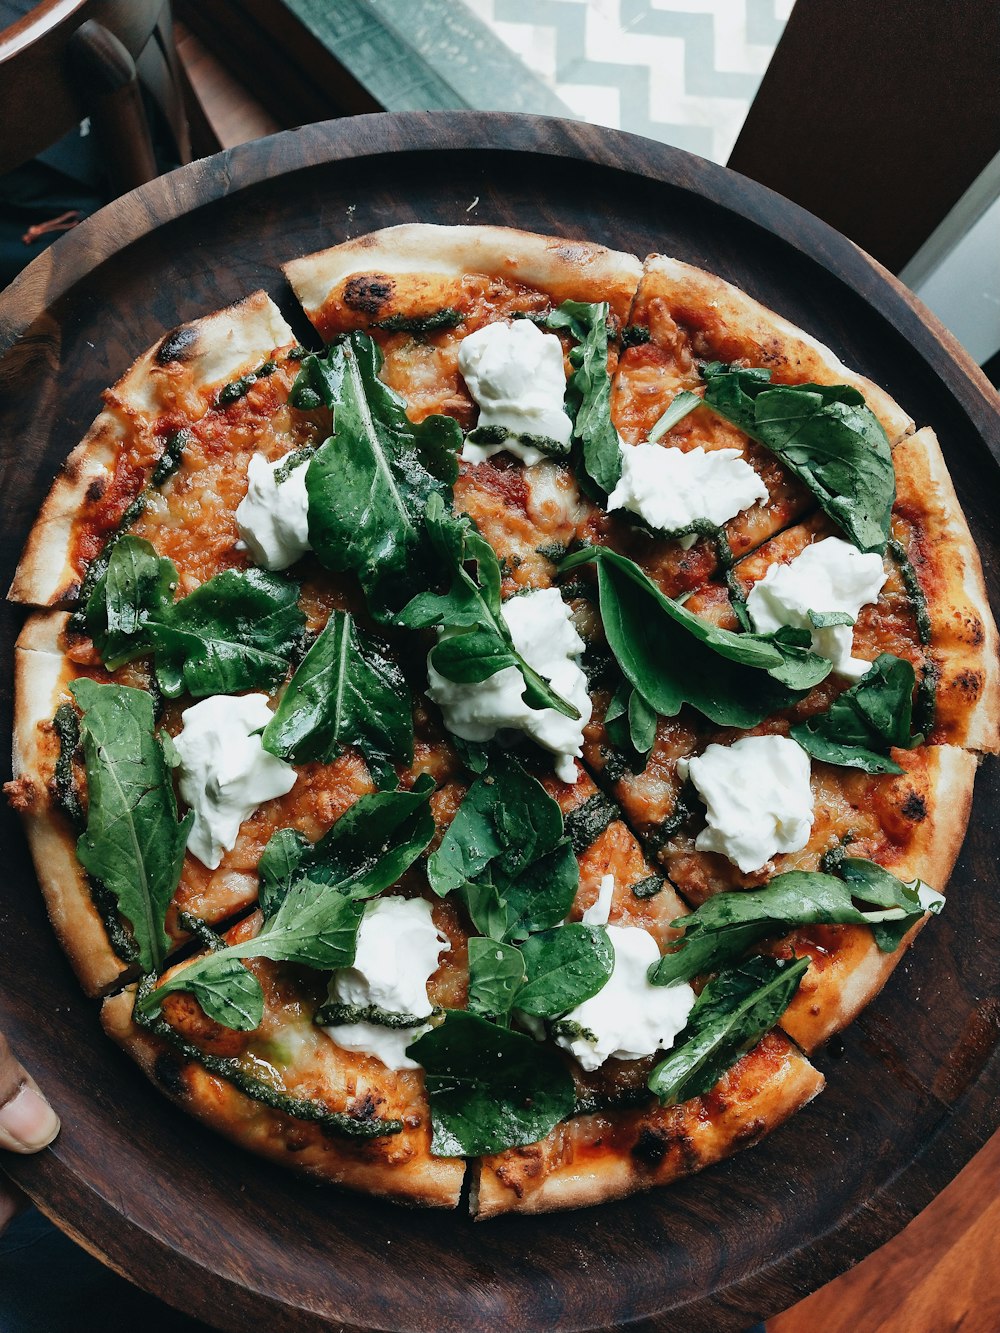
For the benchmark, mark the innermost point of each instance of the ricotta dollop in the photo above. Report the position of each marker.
(515, 374)
(599, 912)
(541, 627)
(671, 488)
(829, 575)
(224, 771)
(628, 1018)
(398, 951)
(757, 797)
(273, 516)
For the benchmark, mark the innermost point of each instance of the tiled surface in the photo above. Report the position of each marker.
(683, 71)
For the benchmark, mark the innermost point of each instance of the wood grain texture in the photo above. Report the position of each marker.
(936, 1276)
(237, 1242)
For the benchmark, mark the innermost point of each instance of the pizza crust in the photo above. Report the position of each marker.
(204, 353)
(39, 686)
(440, 257)
(593, 1159)
(415, 1178)
(964, 641)
(849, 969)
(760, 335)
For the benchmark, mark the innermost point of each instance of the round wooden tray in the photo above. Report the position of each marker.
(912, 1086)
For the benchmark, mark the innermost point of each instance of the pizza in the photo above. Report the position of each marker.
(504, 740)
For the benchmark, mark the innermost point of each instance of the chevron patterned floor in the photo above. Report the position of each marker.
(683, 71)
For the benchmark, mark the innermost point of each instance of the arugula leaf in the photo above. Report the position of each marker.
(588, 390)
(672, 657)
(563, 967)
(489, 1088)
(344, 692)
(315, 926)
(476, 642)
(236, 631)
(630, 721)
(683, 403)
(730, 1016)
(496, 972)
(726, 926)
(369, 847)
(133, 843)
(825, 434)
(370, 483)
(506, 855)
(866, 721)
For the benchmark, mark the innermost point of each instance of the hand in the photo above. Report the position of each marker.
(27, 1122)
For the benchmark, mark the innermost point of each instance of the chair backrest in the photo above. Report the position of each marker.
(877, 115)
(52, 74)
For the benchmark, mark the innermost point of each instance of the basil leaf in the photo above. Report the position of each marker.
(866, 721)
(496, 972)
(344, 692)
(873, 884)
(683, 403)
(314, 926)
(729, 1017)
(588, 390)
(489, 1088)
(371, 845)
(825, 434)
(236, 631)
(672, 657)
(563, 967)
(631, 724)
(370, 483)
(476, 643)
(506, 856)
(133, 843)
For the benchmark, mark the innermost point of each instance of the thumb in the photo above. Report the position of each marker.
(27, 1121)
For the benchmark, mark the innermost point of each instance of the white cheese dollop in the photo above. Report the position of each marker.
(273, 516)
(829, 575)
(224, 771)
(671, 488)
(541, 627)
(628, 1017)
(515, 373)
(398, 951)
(599, 911)
(757, 797)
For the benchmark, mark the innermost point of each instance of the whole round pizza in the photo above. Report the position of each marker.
(509, 738)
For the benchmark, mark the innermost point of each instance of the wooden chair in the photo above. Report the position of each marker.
(66, 60)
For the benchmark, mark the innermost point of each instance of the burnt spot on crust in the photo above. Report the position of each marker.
(750, 1132)
(368, 292)
(96, 489)
(651, 1146)
(365, 1109)
(22, 794)
(914, 808)
(169, 1073)
(177, 345)
(969, 683)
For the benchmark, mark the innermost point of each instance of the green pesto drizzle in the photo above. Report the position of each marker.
(648, 887)
(340, 1123)
(587, 822)
(447, 318)
(170, 459)
(665, 830)
(571, 1030)
(293, 460)
(333, 1014)
(201, 931)
(634, 335)
(590, 1103)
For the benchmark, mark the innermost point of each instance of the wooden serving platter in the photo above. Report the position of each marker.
(912, 1085)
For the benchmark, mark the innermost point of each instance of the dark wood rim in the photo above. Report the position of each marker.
(975, 1114)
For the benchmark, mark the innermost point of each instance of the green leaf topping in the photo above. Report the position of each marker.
(315, 925)
(866, 721)
(729, 1017)
(682, 403)
(672, 657)
(476, 642)
(726, 926)
(489, 1088)
(506, 856)
(235, 632)
(346, 691)
(588, 390)
(825, 434)
(370, 483)
(496, 973)
(563, 967)
(133, 843)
